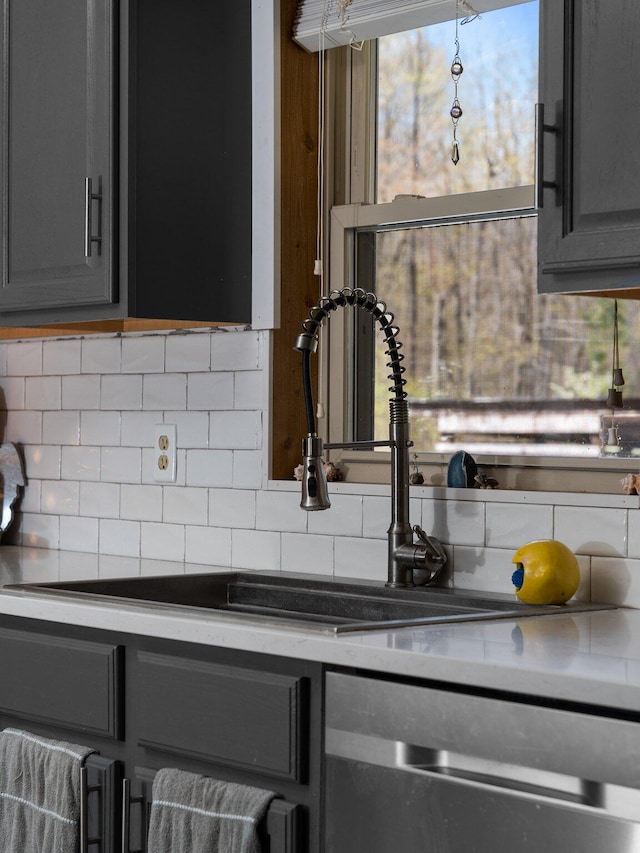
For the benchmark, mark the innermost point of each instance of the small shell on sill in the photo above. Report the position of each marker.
(631, 484)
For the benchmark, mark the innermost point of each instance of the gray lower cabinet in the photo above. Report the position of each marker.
(126, 171)
(144, 704)
(589, 224)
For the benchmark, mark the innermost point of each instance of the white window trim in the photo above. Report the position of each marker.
(552, 474)
(538, 474)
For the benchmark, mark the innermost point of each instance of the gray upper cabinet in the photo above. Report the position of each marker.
(126, 171)
(589, 225)
(57, 110)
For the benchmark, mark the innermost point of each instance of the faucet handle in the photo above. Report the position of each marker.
(433, 557)
(435, 551)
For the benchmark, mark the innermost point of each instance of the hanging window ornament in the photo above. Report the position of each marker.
(456, 71)
(456, 110)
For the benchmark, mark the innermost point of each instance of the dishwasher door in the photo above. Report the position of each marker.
(412, 769)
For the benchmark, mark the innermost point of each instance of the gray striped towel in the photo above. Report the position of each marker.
(39, 793)
(196, 814)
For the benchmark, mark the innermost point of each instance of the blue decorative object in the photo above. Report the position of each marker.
(461, 471)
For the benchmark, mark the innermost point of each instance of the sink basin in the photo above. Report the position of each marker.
(310, 601)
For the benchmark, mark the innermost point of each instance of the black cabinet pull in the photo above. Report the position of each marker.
(89, 198)
(539, 182)
(127, 799)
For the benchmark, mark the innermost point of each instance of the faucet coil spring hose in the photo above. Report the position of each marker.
(307, 342)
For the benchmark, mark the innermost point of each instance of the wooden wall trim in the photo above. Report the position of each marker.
(299, 140)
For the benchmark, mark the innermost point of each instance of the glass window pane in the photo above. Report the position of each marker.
(491, 365)
(497, 91)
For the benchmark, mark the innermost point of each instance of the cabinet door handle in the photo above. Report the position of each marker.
(539, 182)
(89, 198)
(84, 793)
(127, 799)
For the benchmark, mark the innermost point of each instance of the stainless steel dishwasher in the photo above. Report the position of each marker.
(412, 769)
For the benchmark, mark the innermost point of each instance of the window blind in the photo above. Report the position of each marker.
(360, 20)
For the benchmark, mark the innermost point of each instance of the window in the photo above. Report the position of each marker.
(491, 366)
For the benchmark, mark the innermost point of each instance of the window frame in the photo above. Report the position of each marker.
(350, 192)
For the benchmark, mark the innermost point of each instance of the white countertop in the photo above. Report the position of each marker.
(583, 657)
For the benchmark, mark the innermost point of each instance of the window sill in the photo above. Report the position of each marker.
(511, 496)
(596, 483)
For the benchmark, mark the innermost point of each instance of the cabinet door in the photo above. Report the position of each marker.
(280, 831)
(56, 103)
(589, 229)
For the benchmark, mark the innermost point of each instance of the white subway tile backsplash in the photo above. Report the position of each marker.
(232, 508)
(121, 392)
(303, 552)
(80, 463)
(81, 392)
(121, 464)
(249, 390)
(40, 531)
(99, 500)
(143, 354)
(24, 427)
(61, 357)
(142, 503)
(192, 428)
(137, 428)
(121, 538)
(209, 468)
(101, 355)
(208, 391)
(360, 558)
(280, 511)
(13, 393)
(512, 525)
(615, 581)
(235, 430)
(162, 541)
(247, 469)
(454, 521)
(60, 497)
(589, 530)
(43, 392)
(377, 515)
(78, 534)
(165, 392)
(24, 358)
(343, 519)
(634, 533)
(186, 505)
(100, 496)
(30, 500)
(208, 545)
(235, 351)
(256, 549)
(100, 428)
(61, 427)
(42, 462)
(188, 352)
(485, 569)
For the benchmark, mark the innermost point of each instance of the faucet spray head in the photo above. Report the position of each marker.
(314, 482)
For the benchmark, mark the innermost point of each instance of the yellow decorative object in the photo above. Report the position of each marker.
(547, 573)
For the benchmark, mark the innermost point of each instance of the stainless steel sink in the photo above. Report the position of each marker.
(302, 601)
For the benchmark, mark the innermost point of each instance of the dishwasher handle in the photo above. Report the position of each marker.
(483, 772)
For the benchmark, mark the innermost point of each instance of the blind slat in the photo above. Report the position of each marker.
(369, 19)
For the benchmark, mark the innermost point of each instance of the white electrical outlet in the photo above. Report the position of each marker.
(164, 453)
